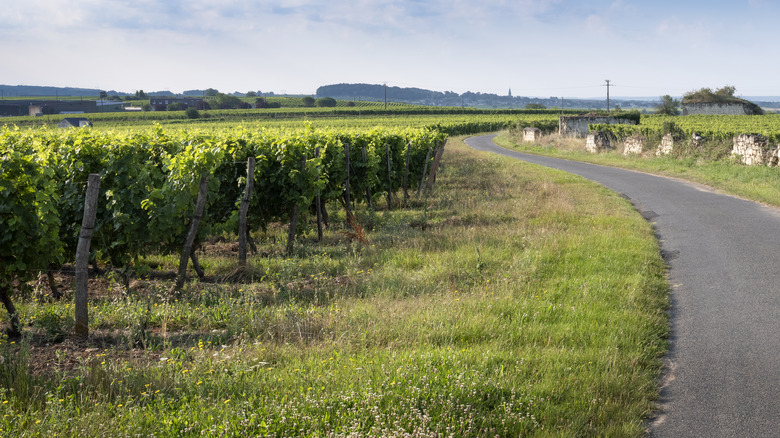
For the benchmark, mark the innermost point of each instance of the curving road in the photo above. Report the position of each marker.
(723, 367)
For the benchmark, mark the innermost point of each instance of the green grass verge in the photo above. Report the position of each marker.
(512, 301)
(758, 183)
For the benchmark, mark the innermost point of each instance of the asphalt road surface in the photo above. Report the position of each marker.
(723, 367)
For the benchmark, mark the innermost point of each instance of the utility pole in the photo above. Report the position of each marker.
(608, 85)
(560, 119)
(385, 96)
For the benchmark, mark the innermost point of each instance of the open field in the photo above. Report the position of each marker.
(366, 114)
(510, 301)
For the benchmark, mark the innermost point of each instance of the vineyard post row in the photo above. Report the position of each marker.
(150, 182)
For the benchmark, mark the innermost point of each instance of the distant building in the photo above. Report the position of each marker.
(161, 103)
(111, 106)
(9, 108)
(74, 122)
(43, 107)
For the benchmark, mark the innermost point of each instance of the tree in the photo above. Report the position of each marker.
(535, 106)
(211, 92)
(103, 95)
(326, 102)
(139, 94)
(308, 101)
(260, 102)
(668, 106)
(726, 91)
(251, 94)
(192, 113)
(225, 101)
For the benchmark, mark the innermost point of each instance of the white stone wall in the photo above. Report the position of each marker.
(597, 141)
(752, 149)
(774, 157)
(634, 145)
(532, 134)
(578, 125)
(667, 145)
(729, 109)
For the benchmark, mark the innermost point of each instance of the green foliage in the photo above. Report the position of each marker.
(176, 106)
(308, 101)
(327, 102)
(722, 95)
(192, 113)
(669, 106)
(150, 180)
(535, 106)
(633, 115)
(712, 127)
(225, 101)
(29, 221)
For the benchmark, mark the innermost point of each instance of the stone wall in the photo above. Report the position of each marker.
(752, 149)
(667, 145)
(532, 134)
(774, 158)
(597, 141)
(578, 125)
(729, 109)
(634, 145)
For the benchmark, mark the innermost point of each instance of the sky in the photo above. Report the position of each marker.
(538, 48)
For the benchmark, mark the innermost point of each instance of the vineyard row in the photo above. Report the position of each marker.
(149, 183)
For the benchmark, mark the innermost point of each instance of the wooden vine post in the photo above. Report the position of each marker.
(318, 201)
(406, 173)
(368, 189)
(82, 255)
(425, 170)
(435, 167)
(292, 229)
(244, 210)
(200, 206)
(347, 200)
(389, 179)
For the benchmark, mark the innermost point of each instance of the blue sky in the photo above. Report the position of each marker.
(535, 47)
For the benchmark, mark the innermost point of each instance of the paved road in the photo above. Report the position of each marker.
(723, 368)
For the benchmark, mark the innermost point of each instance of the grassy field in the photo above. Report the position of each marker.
(513, 300)
(758, 183)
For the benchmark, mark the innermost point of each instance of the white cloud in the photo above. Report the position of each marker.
(692, 32)
(596, 25)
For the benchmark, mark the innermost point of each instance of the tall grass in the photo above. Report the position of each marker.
(512, 301)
